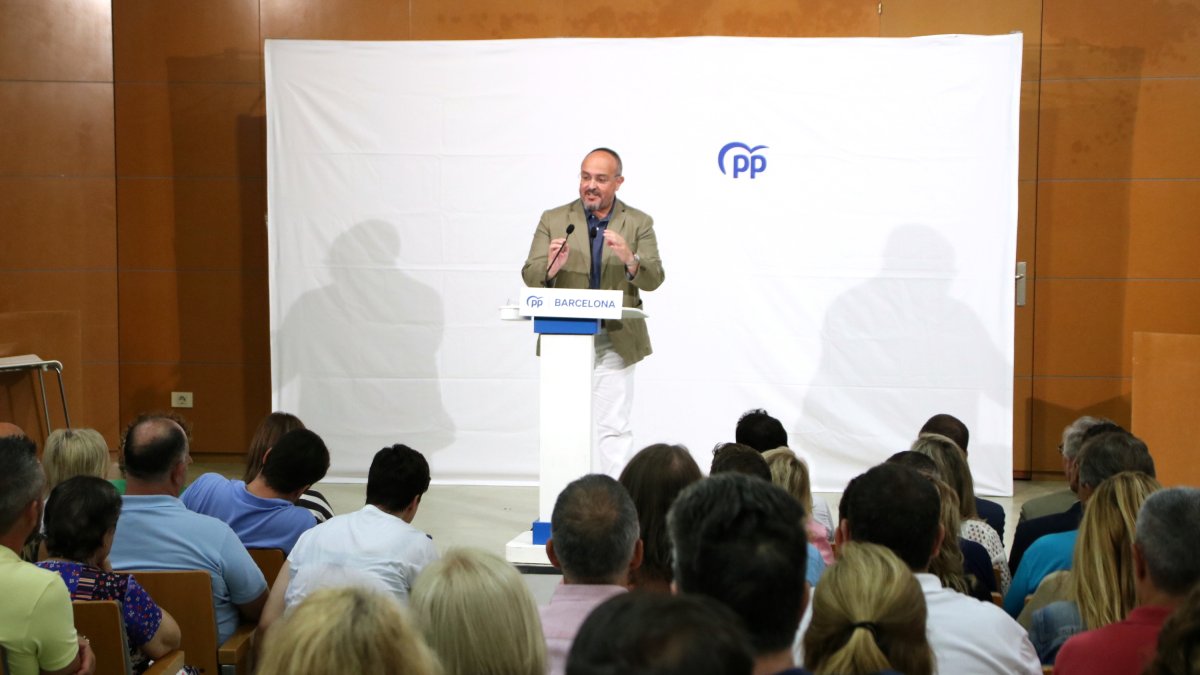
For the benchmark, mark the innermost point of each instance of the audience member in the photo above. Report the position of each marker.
(594, 541)
(268, 432)
(739, 458)
(10, 429)
(1166, 567)
(377, 541)
(922, 464)
(954, 429)
(757, 429)
(655, 634)
(653, 478)
(1102, 457)
(81, 519)
(736, 458)
(742, 542)
(868, 615)
(37, 628)
(263, 512)
(952, 465)
(157, 532)
(1032, 530)
(949, 563)
(1099, 587)
(1179, 640)
(896, 507)
(791, 473)
(478, 615)
(1068, 449)
(74, 452)
(336, 631)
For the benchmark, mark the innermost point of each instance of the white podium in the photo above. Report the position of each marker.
(566, 321)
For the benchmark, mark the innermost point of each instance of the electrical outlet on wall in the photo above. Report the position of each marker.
(181, 399)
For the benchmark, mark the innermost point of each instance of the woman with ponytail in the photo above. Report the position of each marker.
(868, 617)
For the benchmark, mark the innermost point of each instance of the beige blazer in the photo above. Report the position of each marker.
(629, 337)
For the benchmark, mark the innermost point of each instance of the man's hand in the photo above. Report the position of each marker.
(619, 248)
(555, 246)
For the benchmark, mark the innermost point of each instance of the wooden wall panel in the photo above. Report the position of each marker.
(765, 18)
(336, 19)
(1085, 327)
(90, 293)
(193, 224)
(187, 41)
(56, 128)
(485, 20)
(63, 40)
(58, 223)
(192, 129)
(1107, 129)
(1118, 38)
(198, 317)
(1115, 229)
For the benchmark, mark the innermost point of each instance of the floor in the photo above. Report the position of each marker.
(489, 516)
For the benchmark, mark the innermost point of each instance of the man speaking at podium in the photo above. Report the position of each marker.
(619, 253)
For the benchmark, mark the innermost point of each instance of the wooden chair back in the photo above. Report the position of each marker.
(187, 596)
(101, 622)
(269, 561)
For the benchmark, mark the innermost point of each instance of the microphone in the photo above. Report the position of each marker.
(570, 229)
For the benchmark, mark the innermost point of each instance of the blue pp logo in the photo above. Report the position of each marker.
(534, 301)
(743, 162)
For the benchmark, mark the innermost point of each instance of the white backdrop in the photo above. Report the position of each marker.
(860, 282)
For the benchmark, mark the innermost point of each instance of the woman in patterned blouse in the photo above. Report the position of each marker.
(80, 520)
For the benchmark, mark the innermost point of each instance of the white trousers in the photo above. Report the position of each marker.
(612, 403)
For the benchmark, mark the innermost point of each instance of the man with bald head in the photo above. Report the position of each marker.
(157, 532)
(619, 252)
(10, 429)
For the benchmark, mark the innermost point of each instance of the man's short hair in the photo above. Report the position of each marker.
(151, 446)
(760, 431)
(594, 528)
(949, 426)
(21, 479)
(1072, 437)
(610, 151)
(742, 541)
(894, 506)
(739, 458)
(298, 459)
(1165, 533)
(1108, 454)
(661, 634)
(397, 476)
(922, 464)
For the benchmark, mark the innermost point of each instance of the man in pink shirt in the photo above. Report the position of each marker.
(1166, 565)
(594, 541)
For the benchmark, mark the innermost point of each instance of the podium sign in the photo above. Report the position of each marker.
(571, 303)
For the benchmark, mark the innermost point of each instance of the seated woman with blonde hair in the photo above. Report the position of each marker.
(479, 616)
(791, 473)
(74, 452)
(868, 616)
(351, 629)
(1099, 588)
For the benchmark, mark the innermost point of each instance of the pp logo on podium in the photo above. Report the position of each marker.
(534, 301)
(743, 162)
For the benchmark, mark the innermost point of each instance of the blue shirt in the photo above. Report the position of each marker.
(816, 566)
(156, 532)
(258, 521)
(1050, 553)
(596, 227)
